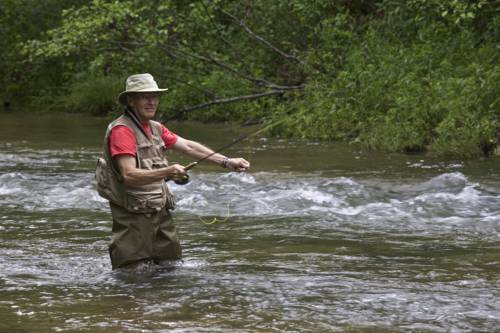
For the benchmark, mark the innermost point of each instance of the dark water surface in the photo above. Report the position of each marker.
(316, 238)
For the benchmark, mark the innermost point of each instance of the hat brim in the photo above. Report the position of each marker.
(122, 98)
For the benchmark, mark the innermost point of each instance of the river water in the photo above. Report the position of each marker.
(316, 238)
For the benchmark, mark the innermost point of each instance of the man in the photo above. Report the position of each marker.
(132, 173)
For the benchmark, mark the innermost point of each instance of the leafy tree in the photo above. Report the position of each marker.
(22, 20)
(395, 75)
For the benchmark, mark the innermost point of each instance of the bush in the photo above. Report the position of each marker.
(414, 76)
(89, 94)
(439, 93)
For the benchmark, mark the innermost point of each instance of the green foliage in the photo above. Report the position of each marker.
(22, 20)
(470, 127)
(465, 135)
(417, 75)
(95, 95)
(438, 92)
(103, 34)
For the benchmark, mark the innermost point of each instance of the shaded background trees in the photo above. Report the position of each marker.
(395, 75)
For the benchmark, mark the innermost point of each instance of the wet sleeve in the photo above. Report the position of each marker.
(169, 138)
(122, 141)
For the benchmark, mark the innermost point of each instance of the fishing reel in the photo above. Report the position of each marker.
(183, 181)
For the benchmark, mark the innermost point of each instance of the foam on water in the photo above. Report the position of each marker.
(264, 193)
(50, 191)
(18, 157)
(446, 195)
(351, 246)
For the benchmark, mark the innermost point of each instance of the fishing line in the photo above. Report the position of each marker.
(215, 219)
(191, 165)
(129, 112)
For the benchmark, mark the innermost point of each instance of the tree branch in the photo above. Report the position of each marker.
(258, 82)
(224, 101)
(259, 38)
(219, 32)
(206, 92)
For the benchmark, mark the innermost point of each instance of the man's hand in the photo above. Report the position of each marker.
(238, 164)
(175, 172)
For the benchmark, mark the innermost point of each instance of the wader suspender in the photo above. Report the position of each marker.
(130, 113)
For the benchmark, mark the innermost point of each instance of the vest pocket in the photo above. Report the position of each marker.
(105, 181)
(170, 198)
(145, 202)
(153, 163)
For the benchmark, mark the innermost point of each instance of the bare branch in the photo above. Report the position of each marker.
(258, 82)
(206, 92)
(260, 38)
(224, 101)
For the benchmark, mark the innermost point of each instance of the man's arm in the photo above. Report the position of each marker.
(133, 176)
(198, 151)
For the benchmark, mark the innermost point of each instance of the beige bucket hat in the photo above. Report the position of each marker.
(139, 83)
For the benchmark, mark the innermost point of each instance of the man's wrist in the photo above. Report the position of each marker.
(225, 161)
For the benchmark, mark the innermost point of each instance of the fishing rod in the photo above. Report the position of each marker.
(185, 179)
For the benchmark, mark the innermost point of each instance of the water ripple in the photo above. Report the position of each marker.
(297, 253)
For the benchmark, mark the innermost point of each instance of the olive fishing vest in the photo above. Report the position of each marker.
(150, 154)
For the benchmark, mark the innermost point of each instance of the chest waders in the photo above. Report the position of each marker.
(143, 228)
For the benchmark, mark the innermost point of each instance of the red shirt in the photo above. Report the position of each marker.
(122, 139)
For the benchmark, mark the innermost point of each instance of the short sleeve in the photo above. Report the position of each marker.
(122, 141)
(169, 138)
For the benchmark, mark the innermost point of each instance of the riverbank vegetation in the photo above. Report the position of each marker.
(412, 76)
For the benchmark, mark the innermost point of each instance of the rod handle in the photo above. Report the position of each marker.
(184, 180)
(190, 166)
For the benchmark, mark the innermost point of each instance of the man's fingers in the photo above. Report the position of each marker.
(176, 172)
(239, 164)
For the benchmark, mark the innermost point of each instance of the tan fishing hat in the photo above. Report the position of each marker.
(139, 83)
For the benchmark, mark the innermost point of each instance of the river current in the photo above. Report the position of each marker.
(316, 238)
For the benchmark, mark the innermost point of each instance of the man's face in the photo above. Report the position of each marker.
(144, 104)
